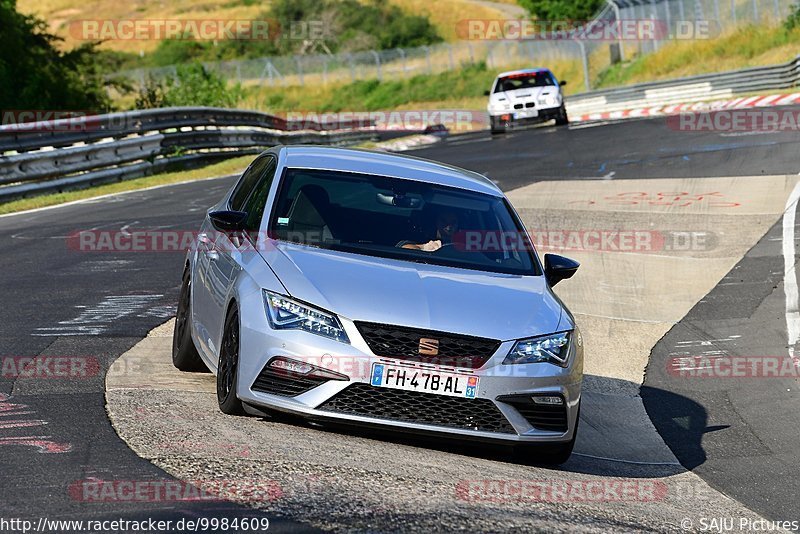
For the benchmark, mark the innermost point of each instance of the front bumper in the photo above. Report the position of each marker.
(524, 116)
(354, 401)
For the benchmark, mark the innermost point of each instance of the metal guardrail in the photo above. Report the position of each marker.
(80, 152)
(702, 87)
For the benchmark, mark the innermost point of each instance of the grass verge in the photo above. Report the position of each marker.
(222, 168)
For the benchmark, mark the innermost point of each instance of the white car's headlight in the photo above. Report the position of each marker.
(542, 349)
(288, 314)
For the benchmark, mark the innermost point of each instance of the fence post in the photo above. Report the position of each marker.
(299, 69)
(777, 7)
(617, 17)
(450, 55)
(403, 56)
(668, 18)
(681, 12)
(471, 57)
(428, 58)
(733, 12)
(325, 70)
(716, 13)
(352, 67)
(377, 65)
(585, 59)
(755, 11)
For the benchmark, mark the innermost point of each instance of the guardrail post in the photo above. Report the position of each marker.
(618, 18)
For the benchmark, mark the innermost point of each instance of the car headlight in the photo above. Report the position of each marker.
(542, 349)
(288, 314)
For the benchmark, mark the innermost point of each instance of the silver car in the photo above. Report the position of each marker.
(372, 289)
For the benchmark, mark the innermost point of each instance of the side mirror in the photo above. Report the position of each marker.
(486, 93)
(228, 221)
(562, 82)
(557, 268)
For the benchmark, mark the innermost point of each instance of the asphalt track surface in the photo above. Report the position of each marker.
(50, 293)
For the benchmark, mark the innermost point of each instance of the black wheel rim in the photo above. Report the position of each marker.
(228, 358)
(183, 312)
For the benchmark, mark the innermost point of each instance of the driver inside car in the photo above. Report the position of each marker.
(446, 228)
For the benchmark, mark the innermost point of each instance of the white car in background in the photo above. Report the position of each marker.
(525, 96)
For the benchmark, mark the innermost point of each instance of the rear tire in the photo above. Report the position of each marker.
(184, 354)
(228, 367)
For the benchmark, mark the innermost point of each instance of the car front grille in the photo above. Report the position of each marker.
(423, 408)
(285, 383)
(403, 343)
(540, 416)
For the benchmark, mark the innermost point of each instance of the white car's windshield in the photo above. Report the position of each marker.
(401, 219)
(524, 81)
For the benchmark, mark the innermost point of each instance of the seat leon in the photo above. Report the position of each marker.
(372, 289)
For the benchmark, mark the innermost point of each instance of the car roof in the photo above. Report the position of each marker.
(522, 71)
(387, 164)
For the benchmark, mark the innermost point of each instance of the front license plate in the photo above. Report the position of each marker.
(527, 114)
(425, 381)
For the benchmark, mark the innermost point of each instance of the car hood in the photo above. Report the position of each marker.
(380, 290)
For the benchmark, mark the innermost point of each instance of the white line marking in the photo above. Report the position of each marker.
(789, 273)
(110, 195)
(678, 464)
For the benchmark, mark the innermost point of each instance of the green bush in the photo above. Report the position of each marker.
(559, 10)
(193, 85)
(793, 20)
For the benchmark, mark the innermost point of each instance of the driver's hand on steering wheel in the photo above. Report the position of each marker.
(431, 246)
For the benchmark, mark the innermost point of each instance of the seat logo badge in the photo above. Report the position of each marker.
(428, 346)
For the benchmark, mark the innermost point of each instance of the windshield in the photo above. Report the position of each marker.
(400, 219)
(524, 81)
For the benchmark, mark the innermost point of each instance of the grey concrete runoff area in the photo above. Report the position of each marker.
(691, 246)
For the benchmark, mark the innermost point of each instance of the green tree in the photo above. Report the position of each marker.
(559, 10)
(34, 74)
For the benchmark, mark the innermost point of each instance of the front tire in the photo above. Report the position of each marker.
(228, 367)
(551, 454)
(184, 354)
(562, 119)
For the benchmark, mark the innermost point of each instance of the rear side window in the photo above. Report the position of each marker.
(248, 182)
